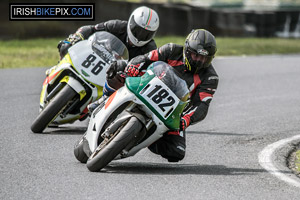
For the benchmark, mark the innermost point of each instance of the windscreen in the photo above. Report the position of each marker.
(168, 75)
(109, 47)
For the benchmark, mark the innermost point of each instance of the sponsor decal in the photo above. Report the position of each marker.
(181, 148)
(102, 52)
(202, 52)
(213, 78)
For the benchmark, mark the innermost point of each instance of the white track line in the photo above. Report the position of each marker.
(265, 160)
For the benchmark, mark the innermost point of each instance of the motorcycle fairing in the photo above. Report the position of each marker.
(137, 84)
(54, 73)
(88, 64)
(98, 120)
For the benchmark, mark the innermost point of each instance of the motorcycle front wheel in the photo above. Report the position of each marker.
(79, 153)
(110, 148)
(47, 115)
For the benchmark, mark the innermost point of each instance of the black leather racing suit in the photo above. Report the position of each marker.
(202, 87)
(117, 28)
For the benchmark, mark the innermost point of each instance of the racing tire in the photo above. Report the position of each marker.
(100, 158)
(47, 115)
(79, 153)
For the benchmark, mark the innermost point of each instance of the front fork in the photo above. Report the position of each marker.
(57, 88)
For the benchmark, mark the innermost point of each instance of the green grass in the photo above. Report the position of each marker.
(257, 46)
(28, 53)
(297, 161)
(43, 52)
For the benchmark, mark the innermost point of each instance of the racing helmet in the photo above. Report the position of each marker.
(199, 50)
(142, 26)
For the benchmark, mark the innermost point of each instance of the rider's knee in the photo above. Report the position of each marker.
(171, 147)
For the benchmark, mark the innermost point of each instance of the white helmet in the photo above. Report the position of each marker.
(142, 26)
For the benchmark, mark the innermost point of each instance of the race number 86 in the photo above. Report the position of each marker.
(90, 61)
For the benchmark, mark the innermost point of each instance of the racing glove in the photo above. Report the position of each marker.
(114, 68)
(134, 70)
(64, 45)
(74, 38)
(184, 122)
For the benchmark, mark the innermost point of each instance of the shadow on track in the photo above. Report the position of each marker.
(177, 169)
(216, 133)
(65, 130)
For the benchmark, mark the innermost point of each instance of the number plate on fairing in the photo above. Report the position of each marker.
(90, 66)
(160, 96)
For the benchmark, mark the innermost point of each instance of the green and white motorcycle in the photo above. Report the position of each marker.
(133, 117)
(77, 80)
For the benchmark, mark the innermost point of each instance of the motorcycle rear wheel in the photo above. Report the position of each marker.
(101, 157)
(47, 115)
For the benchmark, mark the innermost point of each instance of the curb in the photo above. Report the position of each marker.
(274, 159)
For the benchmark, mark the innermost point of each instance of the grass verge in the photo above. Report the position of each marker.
(43, 52)
(297, 161)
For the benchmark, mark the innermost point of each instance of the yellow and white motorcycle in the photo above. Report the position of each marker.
(77, 80)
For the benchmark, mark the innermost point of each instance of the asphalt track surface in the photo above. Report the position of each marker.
(256, 105)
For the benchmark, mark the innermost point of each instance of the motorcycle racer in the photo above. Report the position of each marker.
(137, 33)
(193, 62)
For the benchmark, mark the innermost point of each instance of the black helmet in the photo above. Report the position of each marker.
(199, 50)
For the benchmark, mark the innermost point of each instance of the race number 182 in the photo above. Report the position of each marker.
(158, 94)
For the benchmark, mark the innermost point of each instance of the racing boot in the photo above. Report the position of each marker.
(171, 146)
(91, 107)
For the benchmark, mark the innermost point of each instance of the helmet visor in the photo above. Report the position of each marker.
(197, 60)
(200, 55)
(140, 33)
